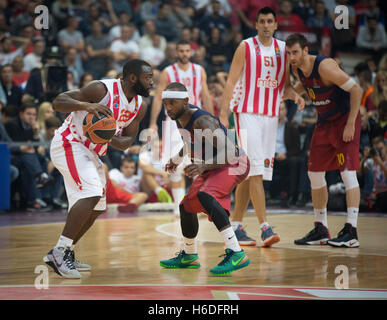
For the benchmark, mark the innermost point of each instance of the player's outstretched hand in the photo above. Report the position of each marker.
(97, 108)
(300, 102)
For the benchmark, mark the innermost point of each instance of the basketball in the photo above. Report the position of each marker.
(99, 131)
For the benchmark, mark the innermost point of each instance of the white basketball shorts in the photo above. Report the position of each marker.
(82, 170)
(257, 135)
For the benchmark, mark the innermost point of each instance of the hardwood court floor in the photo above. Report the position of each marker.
(124, 254)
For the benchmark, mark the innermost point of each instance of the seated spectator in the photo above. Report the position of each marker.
(61, 10)
(370, 129)
(123, 186)
(372, 37)
(74, 65)
(216, 53)
(374, 169)
(365, 82)
(286, 19)
(123, 20)
(156, 181)
(199, 57)
(373, 9)
(287, 161)
(24, 128)
(20, 77)
(34, 59)
(186, 35)
(149, 10)
(45, 111)
(379, 92)
(146, 39)
(85, 26)
(120, 6)
(170, 56)
(383, 117)
(7, 54)
(321, 17)
(215, 20)
(85, 79)
(154, 55)
(124, 49)
(97, 49)
(165, 23)
(304, 9)
(12, 93)
(70, 37)
(8, 112)
(180, 14)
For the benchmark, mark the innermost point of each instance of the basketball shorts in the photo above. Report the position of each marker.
(219, 183)
(116, 195)
(328, 151)
(257, 135)
(82, 170)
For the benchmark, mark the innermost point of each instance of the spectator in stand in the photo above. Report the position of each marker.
(170, 56)
(321, 17)
(216, 53)
(154, 55)
(304, 9)
(383, 117)
(149, 32)
(179, 14)
(379, 92)
(45, 111)
(20, 77)
(107, 13)
(383, 63)
(61, 10)
(365, 82)
(372, 37)
(124, 19)
(70, 37)
(199, 57)
(120, 6)
(370, 129)
(80, 9)
(98, 51)
(4, 25)
(13, 94)
(6, 53)
(165, 23)
(24, 128)
(34, 59)
(287, 20)
(124, 49)
(8, 112)
(85, 79)
(374, 10)
(85, 26)
(215, 20)
(247, 11)
(149, 10)
(74, 65)
(186, 35)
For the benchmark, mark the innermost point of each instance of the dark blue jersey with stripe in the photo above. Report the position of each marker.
(331, 102)
(199, 145)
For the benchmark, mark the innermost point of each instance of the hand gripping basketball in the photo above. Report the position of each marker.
(96, 108)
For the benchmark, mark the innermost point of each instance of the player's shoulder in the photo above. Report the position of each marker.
(327, 64)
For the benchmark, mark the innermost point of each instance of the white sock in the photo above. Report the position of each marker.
(230, 239)
(190, 246)
(320, 215)
(64, 242)
(235, 224)
(264, 224)
(352, 216)
(178, 194)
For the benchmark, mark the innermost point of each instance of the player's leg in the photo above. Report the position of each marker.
(177, 188)
(347, 237)
(320, 234)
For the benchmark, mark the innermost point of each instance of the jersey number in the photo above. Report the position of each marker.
(269, 61)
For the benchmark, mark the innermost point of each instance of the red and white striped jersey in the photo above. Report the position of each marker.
(259, 88)
(123, 111)
(191, 78)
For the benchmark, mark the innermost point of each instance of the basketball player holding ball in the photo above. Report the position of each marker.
(77, 157)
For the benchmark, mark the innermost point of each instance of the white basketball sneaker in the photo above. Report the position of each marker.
(60, 259)
(80, 266)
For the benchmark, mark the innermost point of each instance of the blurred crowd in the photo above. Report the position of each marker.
(92, 39)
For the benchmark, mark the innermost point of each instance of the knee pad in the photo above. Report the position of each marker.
(350, 179)
(216, 212)
(317, 179)
(189, 223)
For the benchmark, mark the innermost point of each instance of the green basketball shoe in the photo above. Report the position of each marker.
(182, 260)
(164, 196)
(232, 261)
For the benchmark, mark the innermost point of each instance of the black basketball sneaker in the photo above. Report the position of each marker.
(347, 238)
(318, 236)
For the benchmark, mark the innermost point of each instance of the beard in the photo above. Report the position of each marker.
(140, 89)
(183, 60)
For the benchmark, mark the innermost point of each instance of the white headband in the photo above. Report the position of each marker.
(174, 94)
